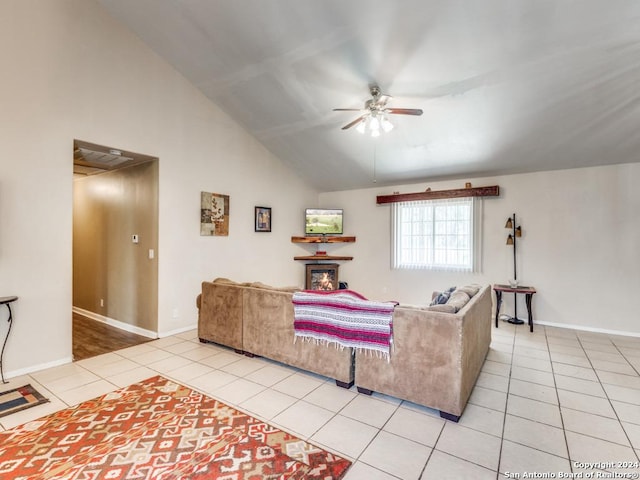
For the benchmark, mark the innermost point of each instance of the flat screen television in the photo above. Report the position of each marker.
(323, 221)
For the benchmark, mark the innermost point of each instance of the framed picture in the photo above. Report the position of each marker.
(322, 276)
(214, 214)
(263, 219)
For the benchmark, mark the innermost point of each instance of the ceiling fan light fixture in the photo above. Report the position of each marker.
(387, 126)
(374, 125)
(374, 117)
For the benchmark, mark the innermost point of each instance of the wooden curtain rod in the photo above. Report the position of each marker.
(492, 191)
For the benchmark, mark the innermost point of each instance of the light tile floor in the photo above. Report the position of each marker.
(546, 402)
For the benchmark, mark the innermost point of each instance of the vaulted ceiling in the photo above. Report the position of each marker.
(507, 86)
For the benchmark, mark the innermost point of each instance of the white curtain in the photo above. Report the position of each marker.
(443, 235)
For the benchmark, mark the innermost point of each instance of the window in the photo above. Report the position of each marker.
(436, 234)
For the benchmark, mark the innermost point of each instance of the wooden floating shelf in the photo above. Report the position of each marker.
(322, 257)
(492, 191)
(323, 239)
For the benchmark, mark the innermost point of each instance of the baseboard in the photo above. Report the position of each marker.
(586, 329)
(37, 368)
(115, 323)
(177, 331)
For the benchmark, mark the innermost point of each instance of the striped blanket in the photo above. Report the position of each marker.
(345, 318)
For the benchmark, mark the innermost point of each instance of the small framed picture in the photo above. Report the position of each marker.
(263, 219)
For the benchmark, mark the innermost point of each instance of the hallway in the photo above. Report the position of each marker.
(91, 338)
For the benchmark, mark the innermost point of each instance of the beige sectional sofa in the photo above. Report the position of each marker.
(435, 360)
(258, 320)
(436, 356)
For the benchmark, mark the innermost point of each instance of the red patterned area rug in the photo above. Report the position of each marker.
(159, 429)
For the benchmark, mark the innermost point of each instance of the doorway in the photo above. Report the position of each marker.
(115, 246)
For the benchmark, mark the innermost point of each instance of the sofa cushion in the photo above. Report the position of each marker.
(413, 306)
(226, 281)
(275, 289)
(471, 290)
(458, 299)
(444, 308)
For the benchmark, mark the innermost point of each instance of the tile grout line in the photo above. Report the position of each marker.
(610, 403)
(506, 403)
(555, 385)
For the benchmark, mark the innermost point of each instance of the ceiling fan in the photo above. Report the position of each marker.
(374, 114)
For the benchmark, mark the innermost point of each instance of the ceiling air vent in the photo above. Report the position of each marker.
(109, 160)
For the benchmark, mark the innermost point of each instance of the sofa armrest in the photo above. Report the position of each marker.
(220, 315)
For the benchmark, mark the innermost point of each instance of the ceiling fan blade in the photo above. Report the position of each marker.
(347, 109)
(355, 122)
(404, 111)
(383, 99)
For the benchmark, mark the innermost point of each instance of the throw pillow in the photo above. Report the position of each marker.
(442, 297)
(471, 290)
(458, 299)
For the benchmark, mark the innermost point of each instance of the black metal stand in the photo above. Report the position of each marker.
(515, 320)
(6, 301)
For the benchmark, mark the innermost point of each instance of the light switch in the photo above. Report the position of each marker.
(134, 238)
(152, 254)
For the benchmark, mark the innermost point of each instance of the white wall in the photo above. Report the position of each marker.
(69, 71)
(580, 245)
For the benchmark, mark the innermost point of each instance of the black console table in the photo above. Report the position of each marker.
(528, 293)
(6, 301)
